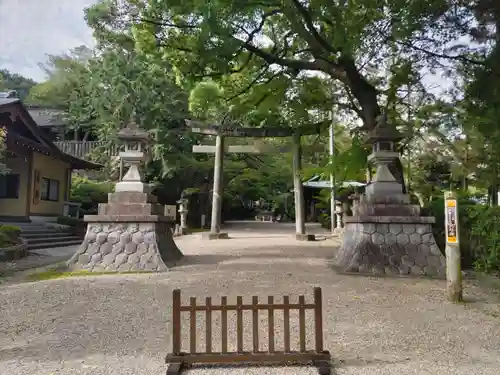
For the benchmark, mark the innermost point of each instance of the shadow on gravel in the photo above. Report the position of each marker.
(291, 252)
(255, 366)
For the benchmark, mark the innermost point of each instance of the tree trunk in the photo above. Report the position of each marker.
(366, 95)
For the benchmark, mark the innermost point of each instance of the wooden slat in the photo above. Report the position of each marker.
(176, 321)
(248, 357)
(270, 325)
(192, 326)
(318, 319)
(208, 325)
(262, 306)
(286, 322)
(302, 325)
(223, 302)
(239, 324)
(255, 324)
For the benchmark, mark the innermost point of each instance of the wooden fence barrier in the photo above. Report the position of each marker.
(178, 359)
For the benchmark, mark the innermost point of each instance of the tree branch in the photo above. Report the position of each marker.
(168, 24)
(306, 16)
(273, 59)
(440, 55)
(250, 85)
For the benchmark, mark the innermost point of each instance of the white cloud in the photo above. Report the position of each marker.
(31, 29)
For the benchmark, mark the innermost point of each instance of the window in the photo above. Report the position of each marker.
(9, 186)
(49, 190)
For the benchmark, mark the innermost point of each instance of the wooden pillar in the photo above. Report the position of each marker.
(453, 268)
(300, 224)
(218, 188)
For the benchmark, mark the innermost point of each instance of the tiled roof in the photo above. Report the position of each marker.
(5, 101)
(8, 94)
(46, 117)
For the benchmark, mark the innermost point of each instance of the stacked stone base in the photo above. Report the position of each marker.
(388, 247)
(126, 246)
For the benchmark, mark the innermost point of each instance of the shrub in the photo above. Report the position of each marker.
(479, 232)
(484, 237)
(5, 240)
(10, 230)
(9, 235)
(89, 193)
(70, 221)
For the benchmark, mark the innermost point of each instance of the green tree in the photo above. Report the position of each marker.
(14, 81)
(281, 41)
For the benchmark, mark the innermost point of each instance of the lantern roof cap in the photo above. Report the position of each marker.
(383, 131)
(132, 132)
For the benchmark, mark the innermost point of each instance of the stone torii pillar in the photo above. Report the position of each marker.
(216, 219)
(130, 232)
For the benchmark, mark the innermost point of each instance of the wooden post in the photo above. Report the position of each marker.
(239, 324)
(255, 324)
(318, 319)
(302, 324)
(208, 324)
(300, 225)
(223, 303)
(453, 269)
(270, 325)
(192, 325)
(217, 190)
(176, 322)
(286, 322)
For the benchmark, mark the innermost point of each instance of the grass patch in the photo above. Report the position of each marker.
(59, 274)
(489, 281)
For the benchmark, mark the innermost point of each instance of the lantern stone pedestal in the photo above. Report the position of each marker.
(386, 234)
(130, 232)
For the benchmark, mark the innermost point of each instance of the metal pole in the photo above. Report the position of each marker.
(332, 177)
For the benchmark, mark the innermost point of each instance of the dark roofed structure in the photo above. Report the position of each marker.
(47, 117)
(9, 94)
(28, 126)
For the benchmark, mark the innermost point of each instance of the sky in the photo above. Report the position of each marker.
(32, 29)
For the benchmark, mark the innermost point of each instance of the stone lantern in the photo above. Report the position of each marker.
(383, 139)
(183, 211)
(136, 141)
(386, 235)
(131, 231)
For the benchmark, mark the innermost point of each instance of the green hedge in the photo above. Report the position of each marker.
(70, 221)
(479, 233)
(9, 235)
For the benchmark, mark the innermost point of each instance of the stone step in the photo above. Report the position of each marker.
(381, 209)
(23, 227)
(47, 245)
(42, 230)
(44, 234)
(394, 198)
(50, 238)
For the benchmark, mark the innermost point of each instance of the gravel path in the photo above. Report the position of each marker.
(119, 325)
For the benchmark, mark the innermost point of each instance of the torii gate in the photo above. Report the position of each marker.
(232, 131)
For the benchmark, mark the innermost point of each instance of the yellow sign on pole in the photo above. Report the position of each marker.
(451, 221)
